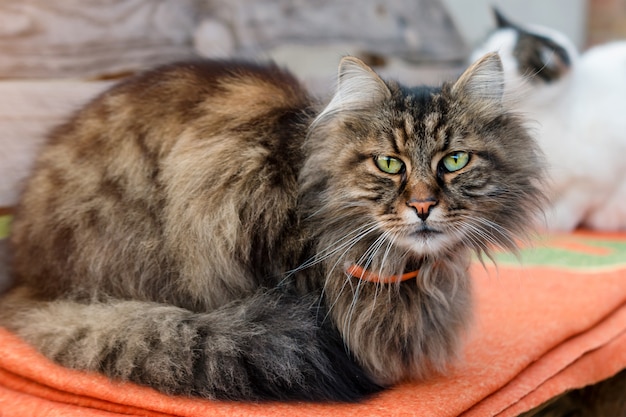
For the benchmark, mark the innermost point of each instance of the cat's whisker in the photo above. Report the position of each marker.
(348, 240)
(374, 249)
(503, 238)
(348, 316)
(337, 298)
(315, 213)
(330, 251)
(383, 260)
(477, 239)
(480, 237)
(489, 231)
(352, 243)
(482, 240)
(330, 273)
(368, 257)
(479, 243)
(390, 244)
(347, 280)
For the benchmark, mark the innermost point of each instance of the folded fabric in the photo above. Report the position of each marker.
(551, 321)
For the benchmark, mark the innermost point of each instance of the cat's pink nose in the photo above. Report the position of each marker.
(422, 207)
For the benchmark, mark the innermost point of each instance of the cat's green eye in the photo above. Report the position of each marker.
(389, 164)
(455, 161)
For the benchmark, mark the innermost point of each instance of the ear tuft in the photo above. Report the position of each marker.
(357, 81)
(358, 88)
(482, 82)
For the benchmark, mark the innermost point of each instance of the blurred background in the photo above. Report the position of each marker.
(94, 39)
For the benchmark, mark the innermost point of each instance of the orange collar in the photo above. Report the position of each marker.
(358, 272)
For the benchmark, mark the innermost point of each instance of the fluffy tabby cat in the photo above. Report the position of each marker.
(208, 229)
(578, 102)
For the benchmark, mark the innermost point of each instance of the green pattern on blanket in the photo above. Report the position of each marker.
(5, 223)
(574, 251)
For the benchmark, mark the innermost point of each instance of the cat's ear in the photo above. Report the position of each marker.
(482, 84)
(358, 88)
(359, 83)
(501, 20)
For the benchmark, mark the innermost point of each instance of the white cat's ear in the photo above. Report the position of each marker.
(482, 83)
(501, 20)
(358, 88)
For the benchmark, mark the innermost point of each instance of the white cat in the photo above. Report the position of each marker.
(579, 103)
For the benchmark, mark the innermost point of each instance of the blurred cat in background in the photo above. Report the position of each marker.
(578, 102)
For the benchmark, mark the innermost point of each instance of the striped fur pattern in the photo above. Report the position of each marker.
(190, 229)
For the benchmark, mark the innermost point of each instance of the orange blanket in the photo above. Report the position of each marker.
(555, 321)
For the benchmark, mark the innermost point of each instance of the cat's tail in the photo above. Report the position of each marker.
(269, 346)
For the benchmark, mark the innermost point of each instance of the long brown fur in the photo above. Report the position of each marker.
(190, 229)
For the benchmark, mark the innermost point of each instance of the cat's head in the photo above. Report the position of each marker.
(419, 171)
(532, 56)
